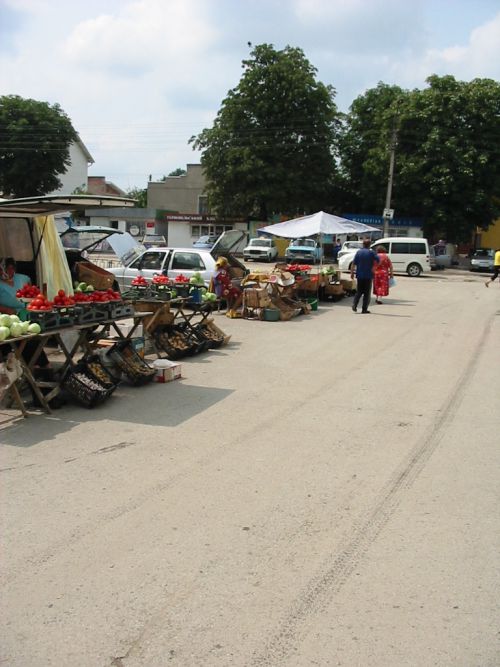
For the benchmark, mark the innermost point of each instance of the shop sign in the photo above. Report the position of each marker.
(378, 220)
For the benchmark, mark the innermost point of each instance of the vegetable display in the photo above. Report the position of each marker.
(197, 279)
(28, 292)
(296, 268)
(139, 281)
(12, 327)
(160, 280)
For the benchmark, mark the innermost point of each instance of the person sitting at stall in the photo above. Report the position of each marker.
(10, 282)
(223, 286)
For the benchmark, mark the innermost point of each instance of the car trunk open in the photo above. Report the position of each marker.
(225, 246)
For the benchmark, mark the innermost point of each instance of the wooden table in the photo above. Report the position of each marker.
(86, 341)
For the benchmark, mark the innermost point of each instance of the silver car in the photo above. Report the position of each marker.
(483, 259)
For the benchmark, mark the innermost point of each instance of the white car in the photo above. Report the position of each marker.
(348, 247)
(173, 261)
(408, 255)
(261, 249)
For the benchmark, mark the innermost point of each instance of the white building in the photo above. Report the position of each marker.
(76, 175)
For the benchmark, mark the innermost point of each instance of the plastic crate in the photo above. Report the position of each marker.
(84, 313)
(135, 369)
(101, 311)
(213, 337)
(198, 343)
(95, 368)
(182, 289)
(174, 342)
(119, 309)
(84, 388)
(47, 319)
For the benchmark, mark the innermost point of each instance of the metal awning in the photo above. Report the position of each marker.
(48, 204)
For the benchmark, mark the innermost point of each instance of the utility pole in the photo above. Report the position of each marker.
(388, 211)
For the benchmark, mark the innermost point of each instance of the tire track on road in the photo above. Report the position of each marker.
(340, 565)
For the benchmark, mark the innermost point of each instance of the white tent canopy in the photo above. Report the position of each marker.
(317, 223)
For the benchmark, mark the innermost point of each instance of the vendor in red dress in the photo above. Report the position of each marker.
(382, 273)
(223, 285)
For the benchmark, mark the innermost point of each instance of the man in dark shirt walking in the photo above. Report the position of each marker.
(363, 262)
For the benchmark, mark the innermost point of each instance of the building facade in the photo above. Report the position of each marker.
(180, 194)
(182, 213)
(76, 175)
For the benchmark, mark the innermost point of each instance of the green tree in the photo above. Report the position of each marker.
(364, 148)
(449, 155)
(447, 168)
(140, 194)
(34, 146)
(177, 172)
(272, 146)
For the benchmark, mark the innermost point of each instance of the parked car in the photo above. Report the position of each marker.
(261, 249)
(349, 246)
(304, 250)
(174, 261)
(205, 242)
(482, 259)
(154, 241)
(409, 255)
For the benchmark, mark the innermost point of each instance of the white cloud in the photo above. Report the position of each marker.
(362, 26)
(143, 35)
(480, 58)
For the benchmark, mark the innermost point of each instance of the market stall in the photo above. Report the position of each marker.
(42, 313)
(76, 333)
(318, 225)
(180, 322)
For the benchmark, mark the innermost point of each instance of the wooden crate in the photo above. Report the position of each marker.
(94, 275)
(334, 290)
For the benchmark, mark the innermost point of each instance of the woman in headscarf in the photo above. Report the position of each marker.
(10, 282)
(223, 285)
(382, 273)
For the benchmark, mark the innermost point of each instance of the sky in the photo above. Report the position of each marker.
(138, 78)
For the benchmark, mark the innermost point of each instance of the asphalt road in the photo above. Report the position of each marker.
(322, 491)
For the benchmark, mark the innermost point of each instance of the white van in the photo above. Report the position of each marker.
(409, 255)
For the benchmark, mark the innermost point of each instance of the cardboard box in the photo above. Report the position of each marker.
(348, 283)
(256, 297)
(335, 290)
(93, 275)
(166, 370)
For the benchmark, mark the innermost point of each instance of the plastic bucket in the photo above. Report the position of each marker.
(313, 302)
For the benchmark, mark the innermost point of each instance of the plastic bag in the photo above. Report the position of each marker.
(10, 371)
(392, 282)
